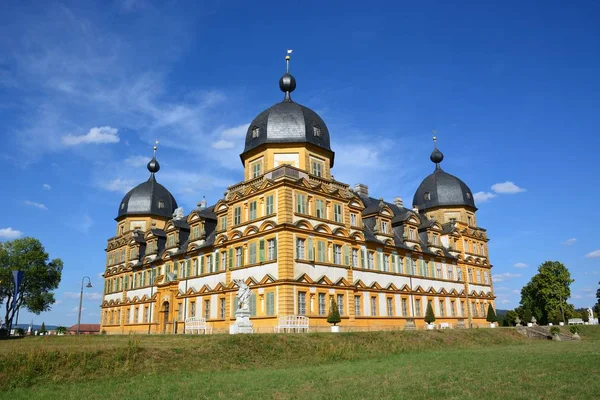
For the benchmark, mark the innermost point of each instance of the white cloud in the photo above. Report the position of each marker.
(520, 265)
(97, 135)
(223, 144)
(137, 161)
(76, 309)
(505, 301)
(504, 277)
(45, 186)
(41, 206)
(118, 185)
(10, 233)
(235, 132)
(86, 295)
(593, 254)
(482, 197)
(506, 188)
(569, 242)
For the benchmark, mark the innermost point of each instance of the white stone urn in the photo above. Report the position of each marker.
(492, 324)
(430, 326)
(549, 323)
(576, 336)
(529, 324)
(561, 323)
(335, 329)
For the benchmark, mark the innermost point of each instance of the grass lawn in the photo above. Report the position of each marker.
(483, 364)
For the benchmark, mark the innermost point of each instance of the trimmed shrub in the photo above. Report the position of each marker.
(334, 313)
(20, 332)
(43, 328)
(527, 316)
(555, 330)
(574, 329)
(429, 315)
(491, 314)
(61, 329)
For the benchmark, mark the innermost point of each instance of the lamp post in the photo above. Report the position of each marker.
(89, 285)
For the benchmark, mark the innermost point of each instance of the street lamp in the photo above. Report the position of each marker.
(89, 285)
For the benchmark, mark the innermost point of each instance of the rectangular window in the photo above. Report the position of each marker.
(224, 260)
(209, 267)
(435, 240)
(238, 257)
(371, 260)
(300, 249)
(253, 253)
(459, 275)
(272, 249)
(337, 254)
(128, 316)
(453, 308)
(237, 216)
(192, 309)
(270, 303)
(478, 276)
(261, 250)
(340, 303)
(450, 273)
(322, 304)
(195, 232)
(256, 169)
(321, 251)
(418, 307)
(462, 308)
(252, 210)
(355, 258)
(179, 312)
(411, 234)
(390, 307)
(373, 306)
(486, 278)
(386, 263)
(171, 240)
(223, 222)
(357, 306)
(482, 309)
(442, 308)
(269, 207)
(317, 168)
(469, 275)
(337, 212)
(301, 204)
(207, 309)
(384, 227)
(301, 303)
(311, 249)
(146, 314)
(136, 315)
(320, 209)
(222, 308)
(438, 268)
(353, 219)
(404, 308)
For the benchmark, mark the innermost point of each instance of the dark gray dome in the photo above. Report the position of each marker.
(441, 188)
(287, 122)
(148, 198)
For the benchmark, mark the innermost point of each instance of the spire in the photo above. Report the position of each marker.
(153, 165)
(436, 155)
(287, 83)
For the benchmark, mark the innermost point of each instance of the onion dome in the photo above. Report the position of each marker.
(287, 122)
(148, 198)
(441, 189)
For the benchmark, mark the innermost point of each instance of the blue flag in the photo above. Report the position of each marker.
(18, 277)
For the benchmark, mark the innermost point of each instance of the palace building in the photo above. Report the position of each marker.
(299, 239)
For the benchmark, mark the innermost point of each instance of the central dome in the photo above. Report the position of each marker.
(287, 122)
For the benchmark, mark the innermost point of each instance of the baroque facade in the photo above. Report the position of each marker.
(299, 239)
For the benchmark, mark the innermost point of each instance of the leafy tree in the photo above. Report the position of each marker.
(61, 329)
(429, 315)
(491, 314)
(598, 304)
(527, 316)
(334, 313)
(585, 316)
(547, 292)
(43, 328)
(509, 318)
(40, 277)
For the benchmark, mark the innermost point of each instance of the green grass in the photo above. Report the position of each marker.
(480, 364)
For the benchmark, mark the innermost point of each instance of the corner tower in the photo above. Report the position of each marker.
(287, 133)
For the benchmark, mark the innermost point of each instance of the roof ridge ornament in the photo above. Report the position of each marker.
(436, 155)
(287, 83)
(153, 165)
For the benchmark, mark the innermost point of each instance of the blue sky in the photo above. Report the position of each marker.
(512, 89)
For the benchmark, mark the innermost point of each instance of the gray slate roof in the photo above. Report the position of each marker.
(144, 200)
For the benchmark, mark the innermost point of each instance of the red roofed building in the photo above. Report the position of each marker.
(85, 329)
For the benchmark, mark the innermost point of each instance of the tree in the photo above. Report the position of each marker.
(429, 315)
(491, 314)
(527, 316)
(40, 277)
(509, 318)
(585, 316)
(547, 292)
(334, 313)
(43, 328)
(598, 304)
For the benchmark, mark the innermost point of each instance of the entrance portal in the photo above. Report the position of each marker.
(165, 316)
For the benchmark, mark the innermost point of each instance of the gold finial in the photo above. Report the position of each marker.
(287, 61)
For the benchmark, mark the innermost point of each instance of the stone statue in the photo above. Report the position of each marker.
(591, 314)
(178, 213)
(243, 294)
(533, 320)
(517, 321)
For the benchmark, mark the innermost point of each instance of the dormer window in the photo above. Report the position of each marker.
(427, 196)
(317, 131)
(161, 204)
(122, 206)
(384, 226)
(468, 195)
(255, 132)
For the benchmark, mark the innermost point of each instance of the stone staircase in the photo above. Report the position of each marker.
(542, 332)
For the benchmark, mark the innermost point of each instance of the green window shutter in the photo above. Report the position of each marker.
(275, 248)
(231, 258)
(217, 256)
(253, 305)
(311, 249)
(270, 303)
(262, 250)
(362, 258)
(201, 261)
(126, 281)
(380, 259)
(346, 255)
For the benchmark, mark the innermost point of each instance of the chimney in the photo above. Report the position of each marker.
(361, 189)
(416, 208)
(398, 202)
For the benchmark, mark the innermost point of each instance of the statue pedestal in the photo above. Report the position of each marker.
(242, 322)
